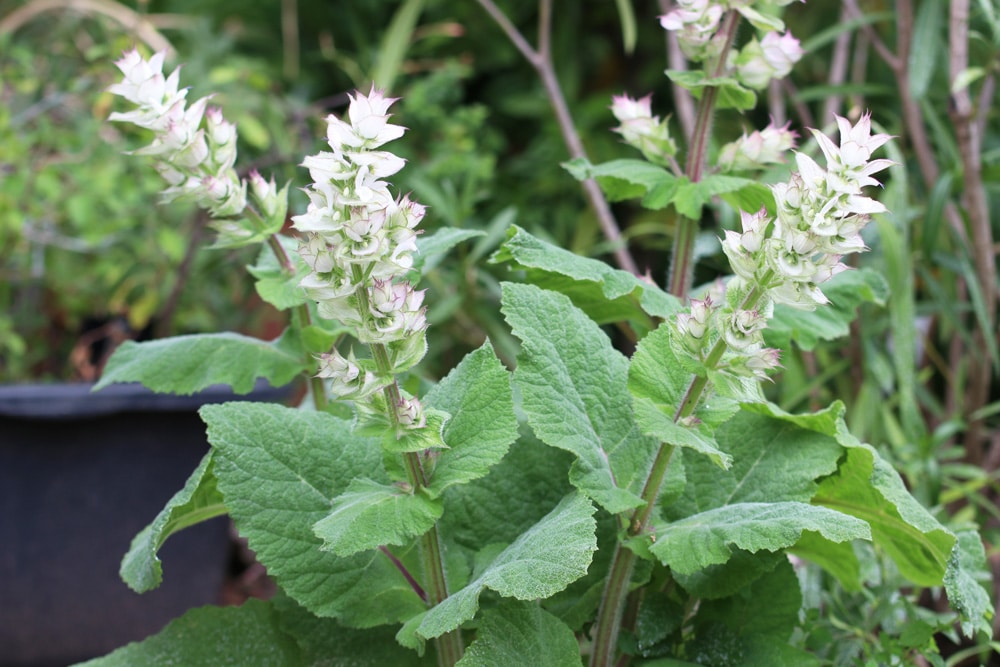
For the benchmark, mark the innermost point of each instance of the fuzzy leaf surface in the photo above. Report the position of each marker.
(965, 581)
(628, 179)
(522, 633)
(327, 643)
(658, 381)
(522, 488)
(774, 462)
(759, 620)
(368, 515)
(574, 389)
(542, 561)
(606, 294)
(478, 395)
(867, 487)
(186, 364)
(279, 471)
(198, 501)
(244, 635)
(432, 248)
(708, 538)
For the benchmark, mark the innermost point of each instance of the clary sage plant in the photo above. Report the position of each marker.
(586, 506)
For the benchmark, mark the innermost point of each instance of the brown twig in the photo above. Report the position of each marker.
(541, 60)
(970, 144)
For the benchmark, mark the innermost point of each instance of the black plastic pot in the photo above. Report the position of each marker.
(80, 474)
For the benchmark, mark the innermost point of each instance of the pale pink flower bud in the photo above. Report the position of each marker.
(265, 193)
(410, 413)
(781, 52)
(641, 129)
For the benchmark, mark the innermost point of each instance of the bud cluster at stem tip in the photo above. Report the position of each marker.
(782, 259)
(197, 161)
(194, 146)
(358, 241)
(696, 25)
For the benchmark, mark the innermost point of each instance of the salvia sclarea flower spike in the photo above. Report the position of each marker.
(359, 240)
(696, 25)
(783, 259)
(194, 146)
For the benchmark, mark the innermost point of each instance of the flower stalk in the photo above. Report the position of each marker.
(777, 259)
(359, 241)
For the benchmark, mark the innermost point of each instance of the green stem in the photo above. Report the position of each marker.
(449, 646)
(623, 562)
(681, 263)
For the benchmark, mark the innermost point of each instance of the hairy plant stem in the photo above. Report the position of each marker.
(449, 646)
(681, 261)
(616, 588)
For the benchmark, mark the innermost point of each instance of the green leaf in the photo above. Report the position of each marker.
(761, 21)
(867, 487)
(704, 539)
(761, 619)
(628, 179)
(478, 395)
(846, 292)
(198, 501)
(731, 94)
(516, 634)
(279, 471)
(691, 197)
(396, 43)
(327, 643)
(432, 248)
(606, 294)
(544, 560)
(429, 436)
(186, 364)
(658, 382)
(368, 515)
(574, 392)
(244, 635)
(274, 285)
(965, 582)
(522, 488)
(927, 34)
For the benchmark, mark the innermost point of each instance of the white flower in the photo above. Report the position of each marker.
(348, 380)
(695, 22)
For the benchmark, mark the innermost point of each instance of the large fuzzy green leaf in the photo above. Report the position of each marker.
(573, 385)
(368, 515)
(542, 561)
(186, 364)
(709, 537)
(279, 471)
(867, 487)
(245, 635)
(516, 634)
(605, 294)
(198, 501)
(658, 382)
(478, 396)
